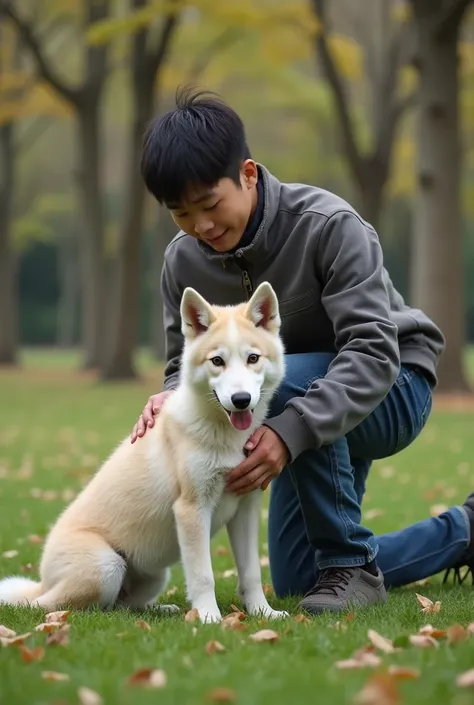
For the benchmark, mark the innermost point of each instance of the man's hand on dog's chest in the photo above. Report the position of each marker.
(267, 455)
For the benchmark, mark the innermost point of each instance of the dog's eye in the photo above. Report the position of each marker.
(217, 361)
(253, 358)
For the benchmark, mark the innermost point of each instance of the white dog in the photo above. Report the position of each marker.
(162, 499)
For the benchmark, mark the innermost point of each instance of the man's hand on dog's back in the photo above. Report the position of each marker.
(147, 417)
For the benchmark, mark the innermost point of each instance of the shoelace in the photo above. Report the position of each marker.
(330, 580)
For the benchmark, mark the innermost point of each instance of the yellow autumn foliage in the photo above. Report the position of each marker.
(348, 56)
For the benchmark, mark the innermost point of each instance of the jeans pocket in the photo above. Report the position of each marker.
(418, 397)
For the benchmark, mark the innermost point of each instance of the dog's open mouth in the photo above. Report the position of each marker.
(241, 420)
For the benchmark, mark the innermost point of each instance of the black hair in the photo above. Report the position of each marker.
(195, 145)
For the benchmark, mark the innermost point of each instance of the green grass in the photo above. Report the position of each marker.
(55, 426)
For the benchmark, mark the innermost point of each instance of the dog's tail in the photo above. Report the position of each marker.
(18, 591)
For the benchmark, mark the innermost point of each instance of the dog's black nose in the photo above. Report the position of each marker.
(241, 400)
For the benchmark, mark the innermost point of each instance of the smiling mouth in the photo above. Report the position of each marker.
(241, 420)
(215, 239)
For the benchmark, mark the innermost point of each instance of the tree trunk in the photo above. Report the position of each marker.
(165, 232)
(119, 363)
(146, 65)
(371, 193)
(437, 269)
(91, 248)
(69, 291)
(8, 258)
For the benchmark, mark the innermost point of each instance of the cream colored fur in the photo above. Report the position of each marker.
(162, 498)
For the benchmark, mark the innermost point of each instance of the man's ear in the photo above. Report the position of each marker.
(196, 314)
(263, 310)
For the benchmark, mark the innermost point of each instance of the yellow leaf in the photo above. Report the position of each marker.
(348, 56)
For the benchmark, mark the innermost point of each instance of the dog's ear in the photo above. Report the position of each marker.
(196, 314)
(262, 309)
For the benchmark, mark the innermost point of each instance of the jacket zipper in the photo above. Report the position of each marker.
(247, 283)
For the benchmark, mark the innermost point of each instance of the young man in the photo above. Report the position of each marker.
(361, 365)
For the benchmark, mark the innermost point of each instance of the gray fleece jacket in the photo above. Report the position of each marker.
(326, 266)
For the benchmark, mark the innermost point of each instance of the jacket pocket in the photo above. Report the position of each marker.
(297, 303)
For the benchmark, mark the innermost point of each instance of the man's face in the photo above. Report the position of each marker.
(219, 215)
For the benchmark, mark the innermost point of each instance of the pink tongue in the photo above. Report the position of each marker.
(241, 420)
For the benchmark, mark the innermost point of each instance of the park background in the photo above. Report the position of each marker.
(373, 99)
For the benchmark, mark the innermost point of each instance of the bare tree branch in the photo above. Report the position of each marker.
(29, 38)
(339, 93)
(170, 24)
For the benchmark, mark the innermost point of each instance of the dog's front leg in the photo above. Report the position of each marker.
(243, 530)
(193, 522)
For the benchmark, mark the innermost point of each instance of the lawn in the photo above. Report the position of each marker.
(57, 425)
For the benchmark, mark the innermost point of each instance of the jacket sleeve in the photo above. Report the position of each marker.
(349, 264)
(174, 340)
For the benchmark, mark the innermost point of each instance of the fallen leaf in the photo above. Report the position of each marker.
(428, 630)
(233, 621)
(428, 606)
(191, 615)
(403, 673)
(28, 655)
(422, 641)
(88, 697)
(14, 640)
(373, 514)
(470, 628)
(380, 689)
(222, 695)
(381, 642)
(59, 636)
(264, 561)
(34, 538)
(141, 624)
(438, 509)
(48, 627)
(267, 589)
(10, 554)
(301, 619)
(222, 551)
(236, 610)
(54, 676)
(364, 660)
(172, 591)
(214, 647)
(150, 677)
(230, 573)
(466, 679)
(387, 471)
(456, 633)
(6, 632)
(265, 635)
(57, 616)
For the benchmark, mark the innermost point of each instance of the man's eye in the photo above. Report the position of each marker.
(217, 361)
(253, 358)
(210, 208)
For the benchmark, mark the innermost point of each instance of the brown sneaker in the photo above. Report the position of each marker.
(339, 589)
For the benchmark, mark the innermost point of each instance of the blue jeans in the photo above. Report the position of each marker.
(315, 516)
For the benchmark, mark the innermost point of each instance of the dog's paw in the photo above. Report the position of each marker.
(209, 616)
(276, 614)
(267, 612)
